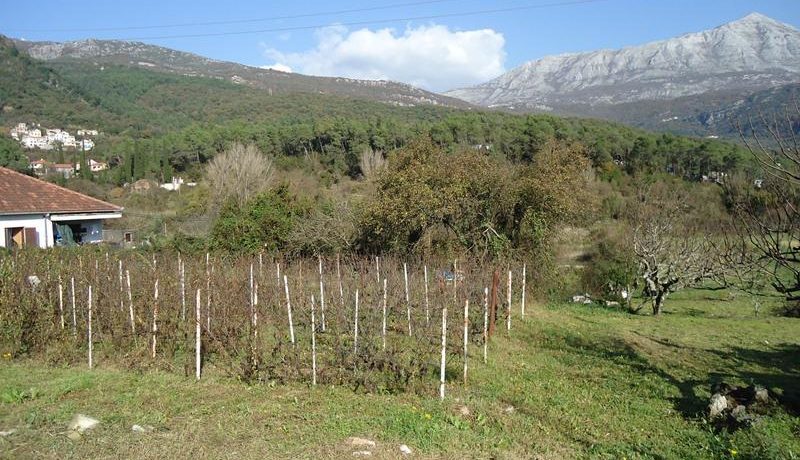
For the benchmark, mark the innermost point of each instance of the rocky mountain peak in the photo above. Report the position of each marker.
(751, 53)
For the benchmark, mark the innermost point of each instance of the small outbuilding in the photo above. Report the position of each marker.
(36, 213)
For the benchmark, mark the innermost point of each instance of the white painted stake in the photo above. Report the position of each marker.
(522, 309)
(485, 324)
(378, 269)
(339, 276)
(130, 301)
(508, 296)
(313, 344)
(74, 315)
(355, 327)
(155, 317)
(255, 309)
(466, 336)
(182, 272)
(197, 337)
(61, 301)
(91, 346)
(251, 292)
(383, 330)
(427, 303)
(289, 309)
(321, 296)
(408, 302)
(444, 353)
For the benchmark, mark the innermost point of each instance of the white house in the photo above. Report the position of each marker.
(40, 214)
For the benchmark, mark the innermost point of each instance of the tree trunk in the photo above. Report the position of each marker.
(658, 303)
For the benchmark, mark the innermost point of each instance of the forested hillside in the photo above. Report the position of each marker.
(175, 122)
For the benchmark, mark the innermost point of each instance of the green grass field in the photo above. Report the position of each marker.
(583, 382)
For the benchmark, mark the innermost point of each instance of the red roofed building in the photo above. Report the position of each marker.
(40, 214)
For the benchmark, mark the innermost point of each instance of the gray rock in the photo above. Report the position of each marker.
(405, 450)
(761, 395)
(142, 429)
(81, 423)
(717, 406)
(360, 442)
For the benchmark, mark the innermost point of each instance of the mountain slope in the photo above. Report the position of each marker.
(141, 55)
(749, 54)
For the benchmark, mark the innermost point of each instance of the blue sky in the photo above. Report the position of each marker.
(437, 53)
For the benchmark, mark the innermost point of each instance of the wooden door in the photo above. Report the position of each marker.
(31, 238)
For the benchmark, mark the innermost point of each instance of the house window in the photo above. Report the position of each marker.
(128, 237)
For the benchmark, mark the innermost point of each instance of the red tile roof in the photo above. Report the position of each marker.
(21, 194)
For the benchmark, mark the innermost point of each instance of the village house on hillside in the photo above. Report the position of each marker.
(36, 213)
(33, 138)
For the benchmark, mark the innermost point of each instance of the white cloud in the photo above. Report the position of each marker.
(279, 67)
(431, 57)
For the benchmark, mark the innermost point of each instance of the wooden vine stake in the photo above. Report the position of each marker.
(321, 297)
(444, 354)
(466, 336)
(61, 301)
(208, 293)
(355, 327)
(383, 328)
(130, 301)
(121, 287)
(197, 336)
(508, 299)
(74, 315)
(155, 317)
(91, 345)
(427, 302)
(313, 344)
(289, 309)
(522, 308)
(408, 301)
(485, 324)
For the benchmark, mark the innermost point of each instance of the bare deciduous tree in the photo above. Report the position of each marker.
(768, 209)
(238, 174)
(674, 247)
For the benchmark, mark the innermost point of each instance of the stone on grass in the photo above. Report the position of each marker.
(7, 432)
(761, 395)
(360, 442)
(509, 410)
(405, 450)
(142, 429)
(81, 423)
(717, 406)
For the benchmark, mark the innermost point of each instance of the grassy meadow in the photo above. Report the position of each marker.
(571, 381)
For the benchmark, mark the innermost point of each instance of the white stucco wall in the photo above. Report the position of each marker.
(42, 224)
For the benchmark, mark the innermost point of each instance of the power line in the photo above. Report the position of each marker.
(241, 21)
(366, 22)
